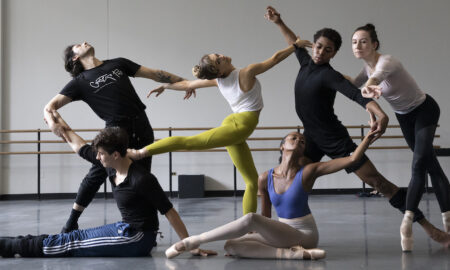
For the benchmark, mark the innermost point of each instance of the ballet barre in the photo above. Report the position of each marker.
(38, 142)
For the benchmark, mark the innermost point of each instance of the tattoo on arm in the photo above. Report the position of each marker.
(166, 77)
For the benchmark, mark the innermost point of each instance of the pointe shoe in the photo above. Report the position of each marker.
(306, 254)
(187, 245)
(407, 241)
(446, 221)
(316, 253)
(172, 252)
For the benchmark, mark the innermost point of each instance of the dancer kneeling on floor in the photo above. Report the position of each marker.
(138, 196)
(294, 235)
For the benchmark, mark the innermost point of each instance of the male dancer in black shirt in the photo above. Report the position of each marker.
(315, 92)
(138, 196)
(105, 86)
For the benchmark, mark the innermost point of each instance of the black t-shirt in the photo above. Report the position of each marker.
(138, 197)
(315, 92)
(107, 89)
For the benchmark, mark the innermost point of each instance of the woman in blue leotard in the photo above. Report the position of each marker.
(294, 235)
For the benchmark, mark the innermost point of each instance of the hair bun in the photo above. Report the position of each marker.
(370, 26)
(196, 70)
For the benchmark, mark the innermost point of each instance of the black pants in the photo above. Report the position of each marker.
(140, 134)
(418, 127)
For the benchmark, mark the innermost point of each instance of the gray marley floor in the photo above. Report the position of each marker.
(357, 233)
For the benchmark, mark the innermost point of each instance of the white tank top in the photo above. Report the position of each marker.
(398, 86)
(240, 101)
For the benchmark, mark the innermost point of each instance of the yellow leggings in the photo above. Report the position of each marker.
(233, 132)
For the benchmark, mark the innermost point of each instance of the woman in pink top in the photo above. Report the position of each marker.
(418, 115)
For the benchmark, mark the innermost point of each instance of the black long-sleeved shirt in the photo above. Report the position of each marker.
(315, 92)
(138, 197)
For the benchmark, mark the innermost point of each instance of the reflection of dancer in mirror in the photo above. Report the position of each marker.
(106, 87)
(242, 90)
(294, 235)
(137, 193)
(418, 115)
(315, 92)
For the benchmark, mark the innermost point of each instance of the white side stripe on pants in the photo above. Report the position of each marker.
(93, 242)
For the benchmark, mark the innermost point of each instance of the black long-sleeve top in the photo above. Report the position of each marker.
(138, 197)
(315, 92)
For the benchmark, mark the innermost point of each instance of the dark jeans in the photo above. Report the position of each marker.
(140, 134)
(418, 127)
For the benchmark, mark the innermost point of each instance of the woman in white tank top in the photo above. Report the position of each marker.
(418, 115)
(242, 90)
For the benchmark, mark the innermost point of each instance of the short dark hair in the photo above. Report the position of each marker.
(370, 28)
(71, 66)
(112, 139)
(332, 35)
(206, 69)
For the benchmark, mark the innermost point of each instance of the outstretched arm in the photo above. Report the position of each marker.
(275, 17)
(252, 70)
(184, 85)
(314, 170)
(75, 142)
(157, 75)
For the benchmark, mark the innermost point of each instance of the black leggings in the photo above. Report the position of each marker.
(418, 127)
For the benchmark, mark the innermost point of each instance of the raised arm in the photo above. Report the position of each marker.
(314, 170)
(254, 69)
(266, 205)
(275, 17)
(54, 104)
(75, 142)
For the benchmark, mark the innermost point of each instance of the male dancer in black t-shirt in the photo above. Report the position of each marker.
(105, 86)
(137, 193)
(315, 92)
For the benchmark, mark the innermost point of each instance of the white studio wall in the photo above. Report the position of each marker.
(173, 35)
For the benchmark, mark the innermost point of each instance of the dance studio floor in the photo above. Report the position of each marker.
(357, 233)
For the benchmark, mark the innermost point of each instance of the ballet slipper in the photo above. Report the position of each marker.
(446, 221)
(315, 253)
(183, 245)
(407, 241)
(298, 252)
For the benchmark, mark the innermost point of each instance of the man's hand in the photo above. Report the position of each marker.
(59, 127)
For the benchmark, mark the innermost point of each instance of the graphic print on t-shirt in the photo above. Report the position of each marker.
(106, 79)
